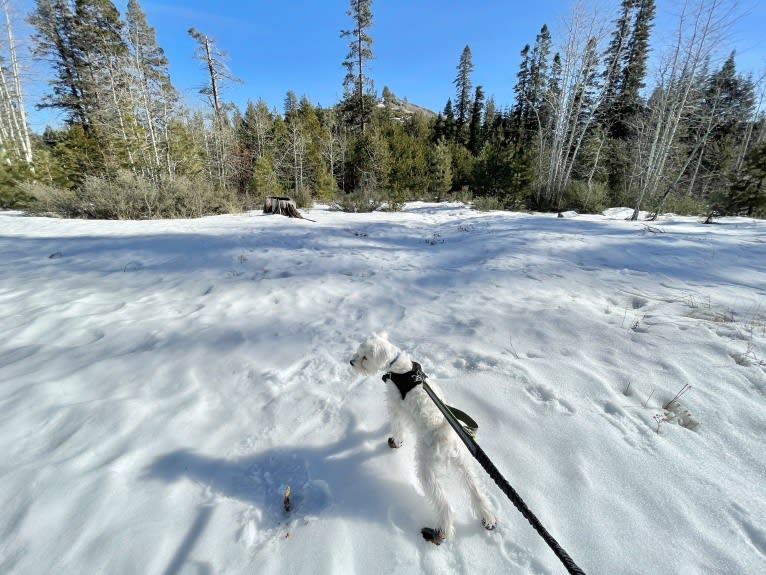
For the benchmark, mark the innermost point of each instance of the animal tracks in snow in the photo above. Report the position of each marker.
(621, 421)
(517, 555)
(546, 396)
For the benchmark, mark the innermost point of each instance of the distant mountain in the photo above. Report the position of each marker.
(401, 108)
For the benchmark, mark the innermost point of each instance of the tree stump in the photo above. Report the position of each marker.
(281, 205)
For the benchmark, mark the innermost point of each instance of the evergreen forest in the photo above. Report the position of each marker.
(590, 127)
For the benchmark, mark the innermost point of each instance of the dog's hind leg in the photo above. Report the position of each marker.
(429, 475)
(482, 507)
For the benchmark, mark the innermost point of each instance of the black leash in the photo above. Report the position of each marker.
(502, 483)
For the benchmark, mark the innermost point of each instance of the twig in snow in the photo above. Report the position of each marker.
(684, 389)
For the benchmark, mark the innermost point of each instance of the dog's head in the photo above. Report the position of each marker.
(373, 354)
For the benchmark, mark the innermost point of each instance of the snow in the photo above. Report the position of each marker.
(163, 382)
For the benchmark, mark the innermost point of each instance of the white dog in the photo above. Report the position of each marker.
(438, 446)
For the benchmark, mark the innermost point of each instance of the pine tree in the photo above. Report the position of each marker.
(522, 106)
(490, 117)
(539, 81)
(502, 169)
(318, 178)
(474, 128)
(358, 87)
(368, 162)
(82, 40)
(635, 62)
(408, 150)
(463, 92)
(440, 170)
(715, 131)
(447, 128)
(748, 193)
(290, 104)
(625, 68)
(531, 110)
(613, 58)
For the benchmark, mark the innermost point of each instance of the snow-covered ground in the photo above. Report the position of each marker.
(162, 382)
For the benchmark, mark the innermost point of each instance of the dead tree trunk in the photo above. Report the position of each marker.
(282, 205)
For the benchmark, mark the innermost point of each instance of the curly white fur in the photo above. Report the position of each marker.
(437, 447)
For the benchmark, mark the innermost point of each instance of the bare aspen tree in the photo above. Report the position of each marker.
(570, 102)
(151, 90)
(14, 131)
(334, 144)
(259, 123)
(115, 104)
(702, 25)
(297, 147)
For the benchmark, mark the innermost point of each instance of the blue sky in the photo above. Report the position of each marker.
(280, 45)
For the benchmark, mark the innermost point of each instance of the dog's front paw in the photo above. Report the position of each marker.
(392, 444)
(435, 536)
(489, 523)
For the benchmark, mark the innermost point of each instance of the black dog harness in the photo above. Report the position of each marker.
(405, 382)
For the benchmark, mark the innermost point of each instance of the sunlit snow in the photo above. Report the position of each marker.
(163, 382)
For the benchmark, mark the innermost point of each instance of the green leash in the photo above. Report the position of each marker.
(466, 421)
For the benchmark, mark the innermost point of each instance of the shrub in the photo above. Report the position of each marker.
(581, 197)
(11, 193)
(463, 195)
(360, 201)
(684, 205)
(127, 196)
(13, 196)
(49, 199)
(487, 203)
(395, 200)
(302, 198)
(192, 198)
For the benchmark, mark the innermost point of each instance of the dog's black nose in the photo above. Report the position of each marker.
(351, 362)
